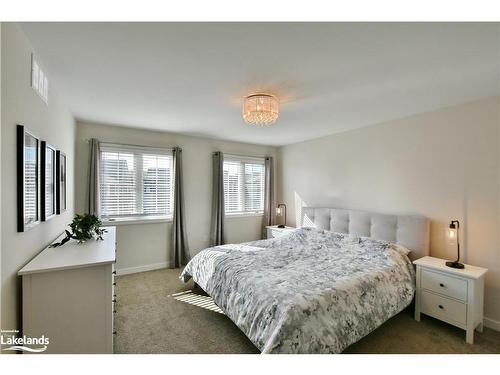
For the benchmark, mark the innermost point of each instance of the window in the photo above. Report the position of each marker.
(243, 185)
(136, 182)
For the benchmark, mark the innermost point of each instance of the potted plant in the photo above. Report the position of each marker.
(83, 228)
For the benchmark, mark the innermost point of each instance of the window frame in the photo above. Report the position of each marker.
(138, 218)
(244, 160)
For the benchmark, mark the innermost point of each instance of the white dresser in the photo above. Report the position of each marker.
(273, 231)
(452, 295)
(68, 296)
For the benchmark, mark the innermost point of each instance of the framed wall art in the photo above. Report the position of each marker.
(60, 182)
(48, 181)
(28, 179)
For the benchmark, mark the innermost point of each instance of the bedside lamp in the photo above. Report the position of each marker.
(281, 211)
(452, 234)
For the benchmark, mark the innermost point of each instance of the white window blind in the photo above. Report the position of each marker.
(135, 181)
(243, 185)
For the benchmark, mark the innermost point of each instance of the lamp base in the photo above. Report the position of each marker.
(455, 265)
(281, 226)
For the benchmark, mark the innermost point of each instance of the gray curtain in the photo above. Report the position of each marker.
(217, 230)
(93, 203)
(268, 195)
(179, 255)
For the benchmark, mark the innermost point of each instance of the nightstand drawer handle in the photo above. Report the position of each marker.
(441, 285)
(441, 307)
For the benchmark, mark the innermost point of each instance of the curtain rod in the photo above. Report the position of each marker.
(244, 156)
(171, 146)
(133, 145)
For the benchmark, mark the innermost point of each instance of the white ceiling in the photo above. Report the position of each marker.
(330, 77)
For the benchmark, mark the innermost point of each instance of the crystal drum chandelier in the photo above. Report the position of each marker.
(260, 109)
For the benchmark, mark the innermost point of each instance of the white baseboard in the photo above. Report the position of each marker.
(491, 323)
(147, 267)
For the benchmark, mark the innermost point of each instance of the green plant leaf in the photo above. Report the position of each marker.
(83, 228)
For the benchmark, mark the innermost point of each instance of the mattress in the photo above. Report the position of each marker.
(310, 291)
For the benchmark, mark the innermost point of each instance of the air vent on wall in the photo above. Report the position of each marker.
(39, 81)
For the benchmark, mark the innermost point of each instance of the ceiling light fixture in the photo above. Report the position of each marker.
(260, 109)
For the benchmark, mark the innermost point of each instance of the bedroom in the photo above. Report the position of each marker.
(278, 187)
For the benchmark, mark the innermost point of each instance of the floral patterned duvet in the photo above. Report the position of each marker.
(309, 291)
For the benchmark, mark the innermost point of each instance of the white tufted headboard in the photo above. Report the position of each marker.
(410, 231)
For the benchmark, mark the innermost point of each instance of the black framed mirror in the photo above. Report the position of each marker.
(48, 181)
(28, 182)
(60, 182)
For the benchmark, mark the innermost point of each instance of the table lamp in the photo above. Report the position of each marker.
(281, 211)
(452, 234)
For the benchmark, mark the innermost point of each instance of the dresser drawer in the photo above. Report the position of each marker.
(443, 308)
(443, 284)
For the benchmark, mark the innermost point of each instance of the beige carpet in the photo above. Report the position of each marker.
(152, 317)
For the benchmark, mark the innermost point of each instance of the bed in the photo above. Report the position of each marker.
(321, 287)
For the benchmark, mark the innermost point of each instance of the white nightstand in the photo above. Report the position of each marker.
(452, 295)
(273, 231)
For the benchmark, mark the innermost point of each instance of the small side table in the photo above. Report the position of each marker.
(452, 295)
(273, 231)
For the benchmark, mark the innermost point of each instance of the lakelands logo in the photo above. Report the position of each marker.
(24, 343)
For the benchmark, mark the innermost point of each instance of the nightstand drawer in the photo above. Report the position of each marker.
(447, 285)
(444, 308)
(276, 233)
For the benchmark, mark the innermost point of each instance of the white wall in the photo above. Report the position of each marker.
(53, 123)
(145, 246)
(442, 164)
